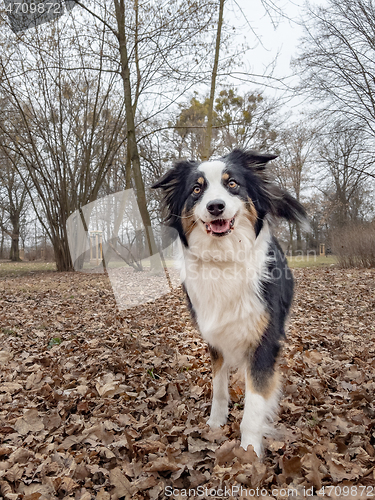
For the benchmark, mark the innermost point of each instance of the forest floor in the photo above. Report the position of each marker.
(98, 403)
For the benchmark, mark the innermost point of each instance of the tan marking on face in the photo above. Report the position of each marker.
(251, 212)
(271, 385)
(225, 177)
(201, 180)
(187, 221)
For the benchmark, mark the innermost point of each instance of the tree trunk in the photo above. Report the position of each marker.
(14, 255)
(2, 244)
(208, 136)
(291, 240)
(130, 122)
(62, 255)
(299, 238)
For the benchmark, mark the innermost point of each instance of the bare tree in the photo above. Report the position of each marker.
(157, 47)
(344, 156)
(13, 203)
(336, 64)
(64, 127)
(296, 144)
(208, 134)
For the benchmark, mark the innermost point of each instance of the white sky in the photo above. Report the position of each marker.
(278, 36)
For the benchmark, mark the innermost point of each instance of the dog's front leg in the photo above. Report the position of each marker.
(259, 407)
(220, 393)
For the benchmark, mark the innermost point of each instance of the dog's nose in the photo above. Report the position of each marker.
(216, 207)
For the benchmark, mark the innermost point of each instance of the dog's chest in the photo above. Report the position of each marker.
(230, 313)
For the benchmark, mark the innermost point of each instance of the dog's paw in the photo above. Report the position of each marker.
(254, 441)
(215, 422)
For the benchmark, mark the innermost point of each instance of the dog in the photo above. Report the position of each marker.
(238, 285)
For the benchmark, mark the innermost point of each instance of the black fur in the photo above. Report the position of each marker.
(277, 292)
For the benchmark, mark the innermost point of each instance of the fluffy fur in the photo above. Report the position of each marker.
(236, 278)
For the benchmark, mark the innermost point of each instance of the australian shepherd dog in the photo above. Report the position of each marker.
(236, 278)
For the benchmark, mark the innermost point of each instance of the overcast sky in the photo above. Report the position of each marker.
(278, 36)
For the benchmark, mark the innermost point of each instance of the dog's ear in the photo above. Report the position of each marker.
(285, 206)
(259, 160)
(176, 173)
(165, 180)
(250, 158)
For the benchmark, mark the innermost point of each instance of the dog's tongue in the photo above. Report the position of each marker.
(219, 226)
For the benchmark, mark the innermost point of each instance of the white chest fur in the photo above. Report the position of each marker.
(223, 282)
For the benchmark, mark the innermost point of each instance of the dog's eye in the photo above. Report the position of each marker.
(232, 184)
(197, 189)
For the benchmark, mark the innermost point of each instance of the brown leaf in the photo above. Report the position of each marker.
(21, 456)
(5, 357)
(195, 445)
(68, 485)
(311, 463)
(225, 453)
(341, 469)
(10, 387)
(246, 456)
(30, 422)
(255, 475)
(122, 485)
(162, 464)
(14, 473)
(291, 466)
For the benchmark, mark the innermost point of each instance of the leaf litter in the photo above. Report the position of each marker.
(97, 403)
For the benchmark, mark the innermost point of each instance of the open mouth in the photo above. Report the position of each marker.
(219, 227)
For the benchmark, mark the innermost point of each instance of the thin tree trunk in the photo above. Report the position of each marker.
(62, 255)
(291, 240)
(14, 249)
(130, 122)
(208, 136)
(299, 238)
(2, 244)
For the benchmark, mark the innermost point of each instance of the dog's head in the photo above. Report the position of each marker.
(215, 198)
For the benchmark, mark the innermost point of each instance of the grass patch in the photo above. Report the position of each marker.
(8, 268)
(8, 331)
(311, 261)
(54, 341)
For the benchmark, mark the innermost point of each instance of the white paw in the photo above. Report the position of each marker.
(254, 441)
(215, 422)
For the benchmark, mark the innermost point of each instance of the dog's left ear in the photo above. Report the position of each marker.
(285, 206)
(249, 158)
(259, 160)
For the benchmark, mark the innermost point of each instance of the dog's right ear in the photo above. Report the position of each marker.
(176, 173)
(164, 181)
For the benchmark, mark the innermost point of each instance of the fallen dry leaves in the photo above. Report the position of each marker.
(108, 405)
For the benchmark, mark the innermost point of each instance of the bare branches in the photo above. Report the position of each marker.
(336, 62)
